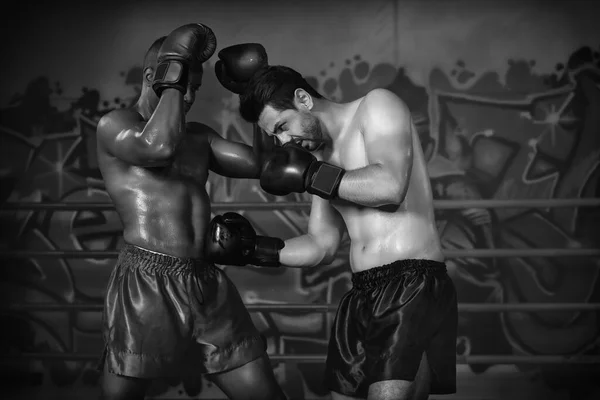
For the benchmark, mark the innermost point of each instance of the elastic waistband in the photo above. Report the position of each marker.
(135, 256)
(377, 276)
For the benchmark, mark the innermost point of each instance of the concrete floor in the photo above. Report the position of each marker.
(498, 383)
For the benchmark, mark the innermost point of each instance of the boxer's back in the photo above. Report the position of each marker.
(164, 208)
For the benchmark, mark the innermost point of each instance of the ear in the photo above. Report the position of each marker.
(303, 100)
(148, 75)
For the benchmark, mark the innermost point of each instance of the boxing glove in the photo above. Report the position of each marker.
(231, 240)
(291, 168)
(185, 48)
(238, 63)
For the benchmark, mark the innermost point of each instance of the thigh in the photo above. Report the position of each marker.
(252, 381)
(417, 389)
(441, 352)
(118, 387)
(345, 371)
(410, 311)
(224, 334)
(222, 318)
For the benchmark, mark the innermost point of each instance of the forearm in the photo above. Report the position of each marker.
(301, 251)
(166, 127)
(372, 186)
(262, 144)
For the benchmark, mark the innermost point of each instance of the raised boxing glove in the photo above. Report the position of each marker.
(290, 168)
(238, 63)
(231, 240)
(185, 48)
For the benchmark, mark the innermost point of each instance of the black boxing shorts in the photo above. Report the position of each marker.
(391, 316)
(166, 316)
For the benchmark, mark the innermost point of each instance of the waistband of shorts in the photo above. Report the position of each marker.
(377, 276)
(158, 262)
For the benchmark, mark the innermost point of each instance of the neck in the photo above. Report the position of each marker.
(332, 117)
(147, 103)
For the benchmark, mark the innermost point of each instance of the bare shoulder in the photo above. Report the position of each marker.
(381, 108)
(382, 100)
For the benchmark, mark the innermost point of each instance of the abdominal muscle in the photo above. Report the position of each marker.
(165, 216)
(378, 238)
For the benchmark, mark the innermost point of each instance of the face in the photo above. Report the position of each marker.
(298, 126)
(194, 83)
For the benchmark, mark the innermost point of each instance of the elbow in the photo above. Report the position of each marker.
(328, 259)
(325, 249)
(329, 253)
(395, 195)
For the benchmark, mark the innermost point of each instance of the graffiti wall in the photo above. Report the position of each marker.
(505, 128)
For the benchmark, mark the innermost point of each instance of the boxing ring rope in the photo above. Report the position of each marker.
(330, 308)
(449, 254)
(308, 358)
(290, 205)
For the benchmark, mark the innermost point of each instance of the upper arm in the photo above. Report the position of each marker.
(120, 134)
(229, 158)
(326, 225)
(387, 132)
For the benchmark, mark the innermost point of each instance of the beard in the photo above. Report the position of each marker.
(312, 137)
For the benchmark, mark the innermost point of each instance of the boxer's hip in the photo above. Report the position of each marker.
(381, 276)
(160, 310)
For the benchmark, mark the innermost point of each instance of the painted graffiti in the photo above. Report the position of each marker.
(485, 137)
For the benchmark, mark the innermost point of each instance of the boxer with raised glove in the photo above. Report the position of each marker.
(168, 312)
(187, 47)
(291, 168)
(367, 156)
(232, 240)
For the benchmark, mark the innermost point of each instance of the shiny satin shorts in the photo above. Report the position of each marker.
(166, 316)
(391, 316)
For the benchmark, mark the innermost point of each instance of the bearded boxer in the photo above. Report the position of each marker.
(168, 310)
(394, 335)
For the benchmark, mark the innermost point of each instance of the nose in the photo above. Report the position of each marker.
(189, 96)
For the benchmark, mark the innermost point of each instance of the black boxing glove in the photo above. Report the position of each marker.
(238, 63)
(185, 48)
(231, 240)
(291, 168)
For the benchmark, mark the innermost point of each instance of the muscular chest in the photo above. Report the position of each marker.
(348, 151)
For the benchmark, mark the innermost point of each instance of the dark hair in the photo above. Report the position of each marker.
(150, 57)
(274, 85)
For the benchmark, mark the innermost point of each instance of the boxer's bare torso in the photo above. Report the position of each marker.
(381, 236)
(164, 209)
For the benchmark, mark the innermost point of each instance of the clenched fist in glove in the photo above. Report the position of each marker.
(185, 48)
(290, 168)
(231, 240)
(238, 63)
